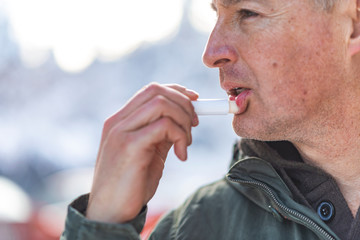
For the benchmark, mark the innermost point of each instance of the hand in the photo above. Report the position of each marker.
(134, 145)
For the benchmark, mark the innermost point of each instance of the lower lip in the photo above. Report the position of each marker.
(241, 100)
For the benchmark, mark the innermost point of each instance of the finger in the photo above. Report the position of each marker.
(174, 92)
(163, 131)
(188, 92)
(157, 108)
(193, 96)
(152, 90)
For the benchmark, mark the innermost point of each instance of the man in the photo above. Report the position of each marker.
(295, 68)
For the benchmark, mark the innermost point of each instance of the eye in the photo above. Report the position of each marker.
(245, 14)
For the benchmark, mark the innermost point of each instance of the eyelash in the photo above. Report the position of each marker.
(245, 14)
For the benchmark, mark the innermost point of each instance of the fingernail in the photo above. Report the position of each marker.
(192, 92)
(195, 120)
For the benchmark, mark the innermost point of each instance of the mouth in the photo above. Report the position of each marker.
(236, 91)
(240, 96)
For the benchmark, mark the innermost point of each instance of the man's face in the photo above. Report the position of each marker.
(289, 55)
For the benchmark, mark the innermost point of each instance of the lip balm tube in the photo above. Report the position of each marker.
(214, 107)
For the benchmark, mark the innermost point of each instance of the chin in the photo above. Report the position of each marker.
(251, 129)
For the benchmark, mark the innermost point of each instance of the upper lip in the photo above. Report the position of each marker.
(236, 91)
(231, 83)
(233, 89)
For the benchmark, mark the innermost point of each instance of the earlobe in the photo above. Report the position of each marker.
(354, 46)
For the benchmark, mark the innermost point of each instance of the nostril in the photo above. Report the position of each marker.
(221, 62)
(219, 53)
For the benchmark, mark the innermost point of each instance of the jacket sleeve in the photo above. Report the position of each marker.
(78, 227)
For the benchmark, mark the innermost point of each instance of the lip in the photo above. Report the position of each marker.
(241, 97)
(236, 91)
(228, 85)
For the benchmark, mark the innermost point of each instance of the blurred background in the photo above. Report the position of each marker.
(65, 66)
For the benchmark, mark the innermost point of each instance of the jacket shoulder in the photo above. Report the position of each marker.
(206, 214)
(219, 211)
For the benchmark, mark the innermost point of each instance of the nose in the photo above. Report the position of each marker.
(219, 51)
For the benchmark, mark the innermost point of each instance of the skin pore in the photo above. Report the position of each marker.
(301, 67)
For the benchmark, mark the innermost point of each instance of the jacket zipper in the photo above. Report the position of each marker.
(270, 193)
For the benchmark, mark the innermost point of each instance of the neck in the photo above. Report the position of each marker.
(337, 152)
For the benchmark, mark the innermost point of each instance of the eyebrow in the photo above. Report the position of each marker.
(227, 3)
(230, 2)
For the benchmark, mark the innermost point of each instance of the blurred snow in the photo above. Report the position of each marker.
(21, 205)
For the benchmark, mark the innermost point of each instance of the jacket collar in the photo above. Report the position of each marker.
(253, 174)
(250, 170)
(278, 154)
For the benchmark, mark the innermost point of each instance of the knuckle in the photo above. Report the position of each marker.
(177, 87)
(152, 88)
(130, 143)
(121, 141)
(127, 137)
(165, 122)
(115, 135)
(159, 100)
(111, 121)
(108, 124)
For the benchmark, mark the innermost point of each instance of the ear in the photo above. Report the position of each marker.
(354, 45)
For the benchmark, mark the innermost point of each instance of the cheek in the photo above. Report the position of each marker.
(295, 66)
(292, 66)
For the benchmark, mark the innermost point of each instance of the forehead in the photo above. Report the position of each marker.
(227, 3)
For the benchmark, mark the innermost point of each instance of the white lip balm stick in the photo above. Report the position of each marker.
(214, 106)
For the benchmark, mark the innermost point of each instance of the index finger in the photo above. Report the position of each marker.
(174, 92)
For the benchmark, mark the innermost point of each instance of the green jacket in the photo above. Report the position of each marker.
(251, 202)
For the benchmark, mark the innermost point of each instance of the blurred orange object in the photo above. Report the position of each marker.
(150, 223)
